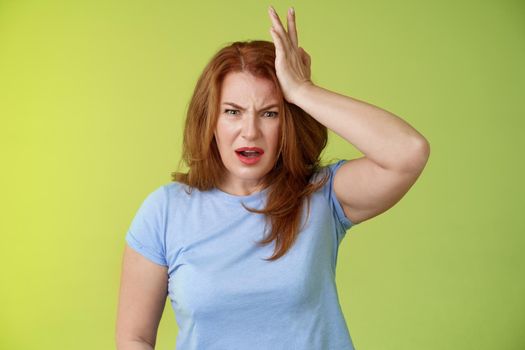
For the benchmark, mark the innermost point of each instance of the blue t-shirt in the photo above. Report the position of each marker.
(225, 296)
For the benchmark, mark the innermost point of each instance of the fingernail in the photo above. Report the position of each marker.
(292, 11)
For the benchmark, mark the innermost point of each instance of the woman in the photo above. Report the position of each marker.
(245, 243)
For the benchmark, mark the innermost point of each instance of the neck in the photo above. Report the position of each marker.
(241, 188)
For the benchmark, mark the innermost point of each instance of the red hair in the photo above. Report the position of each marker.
(302, 140)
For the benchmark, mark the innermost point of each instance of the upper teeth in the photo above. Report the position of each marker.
(250, 152)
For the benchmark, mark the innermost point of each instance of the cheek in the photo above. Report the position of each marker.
(220, 133)
(224, 131)
(276, 135)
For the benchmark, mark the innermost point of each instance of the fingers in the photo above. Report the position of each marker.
(292, 29)
(278, 29)
(277, 42)
(286, 43)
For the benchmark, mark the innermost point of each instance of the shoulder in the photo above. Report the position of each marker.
(161, 196)
(177, 189)
(326, 173)
(178, 195)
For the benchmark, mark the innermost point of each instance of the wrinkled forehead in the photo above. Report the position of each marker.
(245, 88)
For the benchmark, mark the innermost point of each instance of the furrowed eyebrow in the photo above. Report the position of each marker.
(242, 109)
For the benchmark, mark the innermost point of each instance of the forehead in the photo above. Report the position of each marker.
(244, 87)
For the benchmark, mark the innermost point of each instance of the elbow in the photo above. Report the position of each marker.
(423, 149)
(129, 344)
(418, 156)
(125, 341)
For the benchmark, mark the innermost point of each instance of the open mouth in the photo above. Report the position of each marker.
(249, 155)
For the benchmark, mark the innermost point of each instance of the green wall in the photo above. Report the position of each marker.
(92, 102)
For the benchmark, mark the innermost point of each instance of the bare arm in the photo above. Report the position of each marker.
(394, 152)
(143, 290)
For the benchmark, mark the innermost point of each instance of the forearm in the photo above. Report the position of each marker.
(380, 135)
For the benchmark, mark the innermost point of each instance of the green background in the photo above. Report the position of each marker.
(93, 97)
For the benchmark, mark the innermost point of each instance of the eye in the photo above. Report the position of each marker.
(231, 111)
(270, 114)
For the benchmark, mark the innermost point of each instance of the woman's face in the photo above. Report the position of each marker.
(247, 131)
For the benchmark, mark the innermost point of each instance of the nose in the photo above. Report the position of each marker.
(250, 127)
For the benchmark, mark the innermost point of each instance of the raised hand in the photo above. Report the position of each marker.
(292, 63)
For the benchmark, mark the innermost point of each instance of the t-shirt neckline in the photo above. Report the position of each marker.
(238, 199)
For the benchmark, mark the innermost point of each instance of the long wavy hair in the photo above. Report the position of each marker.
(302, 140)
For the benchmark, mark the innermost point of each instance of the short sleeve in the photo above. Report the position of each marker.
(146, 233)
(342, 222)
